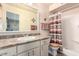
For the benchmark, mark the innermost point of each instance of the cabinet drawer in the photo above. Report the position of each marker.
(27, 46)
(44, 42)
(8, 51)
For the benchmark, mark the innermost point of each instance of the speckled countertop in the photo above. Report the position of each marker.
(20, 40)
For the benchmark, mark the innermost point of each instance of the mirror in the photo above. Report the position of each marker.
(12, 21)
(18, 18)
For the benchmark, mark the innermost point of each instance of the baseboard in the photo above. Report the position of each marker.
(68, 52)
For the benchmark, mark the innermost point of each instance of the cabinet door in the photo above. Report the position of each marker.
(28, 46)
(44, 50)
(31, 52)
(45, 42)
(23, 54)
(8, 51)
(37, 51)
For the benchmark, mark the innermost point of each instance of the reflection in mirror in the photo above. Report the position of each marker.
(12, 21)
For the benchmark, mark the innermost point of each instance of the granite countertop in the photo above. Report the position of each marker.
(20, 40)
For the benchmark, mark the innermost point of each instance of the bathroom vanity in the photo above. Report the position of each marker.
(27, 45)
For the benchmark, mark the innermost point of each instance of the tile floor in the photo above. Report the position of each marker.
(58, 54)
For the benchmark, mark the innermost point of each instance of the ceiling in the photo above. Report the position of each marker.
(35, 5)
(51, 6)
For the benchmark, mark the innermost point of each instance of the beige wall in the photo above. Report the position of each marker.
(25, 15)
(0, 12)
(71, 30)
(43, 11)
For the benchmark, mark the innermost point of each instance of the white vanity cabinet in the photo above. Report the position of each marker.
(10, 51)
(44, 50)
(23, 48)
(30, 47)
(31, 52)
(36, 48)
(44, 47)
